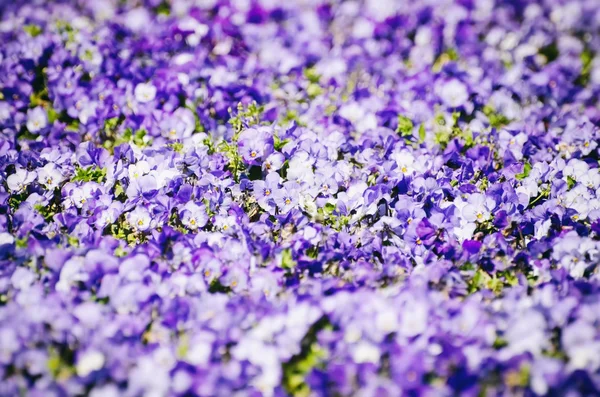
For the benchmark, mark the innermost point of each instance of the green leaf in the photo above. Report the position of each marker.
(139, 136)
(422, 133)
(312, 75)
(587, 56)
(311, 356)
(47, 211)
(314, 90)
(52, 115)
(163, 9)
(525, 173)
(329, 208)
(287, 261)
(32, 30)
(177, 146)
(245, 117)
(442, 138)
(21, 242)
(499, 343)
(89, 174)
(449, 55)
(467, 136)
(60, 363)
(497, 120)
(405, 125)
(119, 190)
(571, 182)
(550, 52)
(110, 125)
(278, 144)
(120, 252)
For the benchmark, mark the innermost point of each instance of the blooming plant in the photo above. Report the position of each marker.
(299, 198)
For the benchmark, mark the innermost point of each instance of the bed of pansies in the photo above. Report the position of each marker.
(306, 198)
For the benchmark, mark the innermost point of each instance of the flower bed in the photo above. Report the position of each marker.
(307, 198)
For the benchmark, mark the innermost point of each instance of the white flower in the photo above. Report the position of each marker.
(386, 320)
(405, 161)
(50, 176)
(164, 176)
(20, 179)
(37, 119)
(541, 228)
(352, 112)
(525, 333)
(89, 362)
(478, 208)
(145, 92)
(575, 169)
(108, 390)
(579, 343)
(365, 352)
(138, 169)
(308, 204)
(454, 93)
(6, 238)
(414, 320)
(148, 378)
(200, 350)
(71, 272)
(22, 278)
(301, 169)
(591, 178)
(82, 194)
(140, 219)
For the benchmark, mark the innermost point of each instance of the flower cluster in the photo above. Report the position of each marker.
(350, 198)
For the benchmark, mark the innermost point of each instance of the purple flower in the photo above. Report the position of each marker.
(265, 191)
(478, 208)
(20, 180)
(286, 198)
(193, 216)
(255, 144)
(140, 219)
